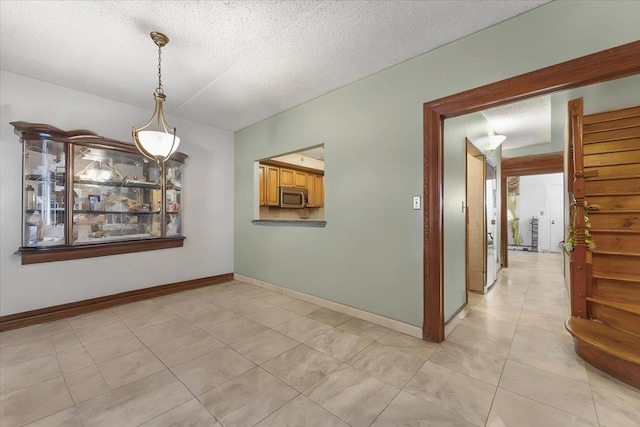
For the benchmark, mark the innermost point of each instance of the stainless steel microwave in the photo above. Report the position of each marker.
(293, 197)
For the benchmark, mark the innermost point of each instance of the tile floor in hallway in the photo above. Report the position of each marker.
(238, 355)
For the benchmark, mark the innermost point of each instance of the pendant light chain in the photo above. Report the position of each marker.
(160, 89)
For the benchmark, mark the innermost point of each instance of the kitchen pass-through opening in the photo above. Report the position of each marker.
(291, 186)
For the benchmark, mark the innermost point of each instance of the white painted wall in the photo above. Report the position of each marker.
(536, 194)
(208, 201)
(370, 255)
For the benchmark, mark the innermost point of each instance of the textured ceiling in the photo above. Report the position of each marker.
(524, 123)
(229, 64)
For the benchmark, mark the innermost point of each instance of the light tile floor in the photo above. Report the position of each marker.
(238, 355)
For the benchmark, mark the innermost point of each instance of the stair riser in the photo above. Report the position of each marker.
(632, 132)
(604, 159)
(618, 319)
(629, 185)
(609, 146)
(608, 116)
(613, 171)
(616, 264)
(621, 369)
(616, 289)
(626, 221)
(617, 242)
(615, 202)
(611, 124)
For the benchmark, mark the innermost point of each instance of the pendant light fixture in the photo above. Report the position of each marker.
(490, 142)
(495, 141)
(156, 139)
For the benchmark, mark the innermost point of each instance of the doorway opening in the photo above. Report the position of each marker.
(607, 65)
(481, 211)
(535, 212)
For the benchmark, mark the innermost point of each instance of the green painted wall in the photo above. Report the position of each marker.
(370, 254)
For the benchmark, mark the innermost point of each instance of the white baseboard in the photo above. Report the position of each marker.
(396, 325)
(455, 321)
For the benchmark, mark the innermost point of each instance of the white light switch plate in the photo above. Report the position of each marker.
(416, 202)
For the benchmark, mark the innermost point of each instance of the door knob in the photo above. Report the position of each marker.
(552, 222)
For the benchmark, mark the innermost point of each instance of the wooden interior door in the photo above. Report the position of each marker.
(476, 220)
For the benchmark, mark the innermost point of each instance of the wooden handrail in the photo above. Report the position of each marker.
(578, 259)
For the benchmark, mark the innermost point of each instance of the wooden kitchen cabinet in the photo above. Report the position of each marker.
(300, 179)
(262, 186)
(271, 185)
(287, 177)
(293, 178)
(318, 185)
(315, 185)
(274, 177)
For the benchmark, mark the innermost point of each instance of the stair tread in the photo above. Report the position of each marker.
(629, 307)
(606, 116)
(617, 123)
(613, 211)
(628, 194)
(607, 339)
(610, 194)
(610, 178)
(613, 230)
(617, 276)
(609, 252)
(614, 150)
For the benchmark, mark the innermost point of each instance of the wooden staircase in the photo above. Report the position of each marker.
(605, 280)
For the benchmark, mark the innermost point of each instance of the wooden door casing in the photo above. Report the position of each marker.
(617, 62)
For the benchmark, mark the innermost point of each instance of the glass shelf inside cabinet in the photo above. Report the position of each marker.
(43, 194)
(173, 203)
(117, 196)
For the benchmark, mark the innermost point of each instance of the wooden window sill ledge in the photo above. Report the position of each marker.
(65, 253)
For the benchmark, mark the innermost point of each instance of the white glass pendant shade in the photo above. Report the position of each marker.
(158, 143)
(495, 141)
(156, 139)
